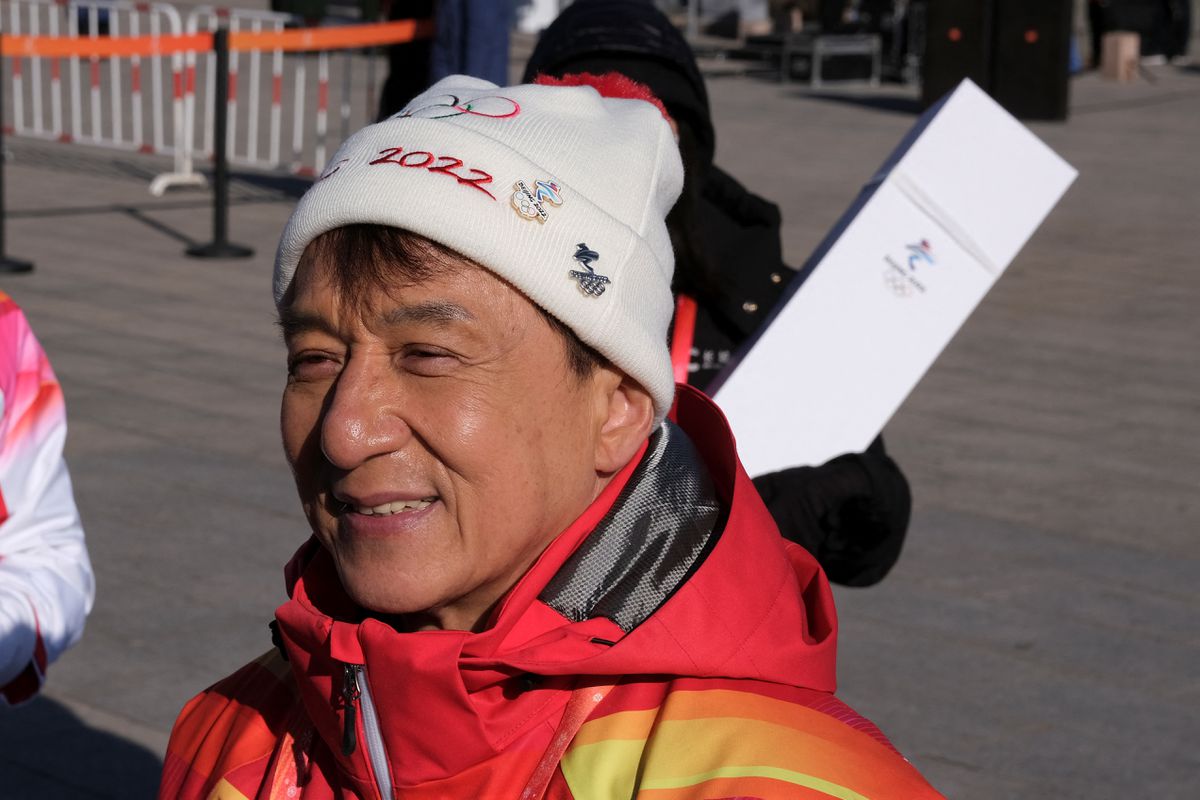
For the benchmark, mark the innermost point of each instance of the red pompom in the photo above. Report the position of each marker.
(610, 84)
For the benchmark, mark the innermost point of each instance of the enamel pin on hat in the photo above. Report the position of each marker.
(591, 282)
(531, 202)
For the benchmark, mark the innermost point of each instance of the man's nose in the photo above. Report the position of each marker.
(361, 421)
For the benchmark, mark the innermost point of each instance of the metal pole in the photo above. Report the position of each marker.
(220, 246)
(6, 264)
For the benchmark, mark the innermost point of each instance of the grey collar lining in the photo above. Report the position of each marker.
(659, 530)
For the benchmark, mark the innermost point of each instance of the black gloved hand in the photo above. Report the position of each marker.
(851, 513)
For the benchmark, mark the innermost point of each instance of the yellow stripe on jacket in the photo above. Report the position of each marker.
(722, 743)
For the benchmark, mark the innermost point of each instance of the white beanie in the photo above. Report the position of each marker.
(558, 190)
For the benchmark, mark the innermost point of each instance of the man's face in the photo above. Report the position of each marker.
(438, 438)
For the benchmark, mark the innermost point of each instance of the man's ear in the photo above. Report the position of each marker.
(625, 414)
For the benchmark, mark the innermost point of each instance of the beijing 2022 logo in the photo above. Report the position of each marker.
(902, 278)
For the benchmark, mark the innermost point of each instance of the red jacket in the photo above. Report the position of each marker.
(667, 644)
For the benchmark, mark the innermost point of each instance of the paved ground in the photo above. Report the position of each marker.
(1039, 637)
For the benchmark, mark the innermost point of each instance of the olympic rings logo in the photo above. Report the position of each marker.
(450, 105)
(524, 205)
(897, 282)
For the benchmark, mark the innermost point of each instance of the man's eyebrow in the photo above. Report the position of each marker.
(438, 312)
(292, 323)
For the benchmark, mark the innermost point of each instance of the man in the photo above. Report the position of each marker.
(46, 582)
(524, 581)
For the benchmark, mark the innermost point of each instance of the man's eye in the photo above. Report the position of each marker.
(429, 361)
(312, 366)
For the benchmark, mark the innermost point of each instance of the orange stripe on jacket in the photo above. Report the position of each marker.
(215, 733)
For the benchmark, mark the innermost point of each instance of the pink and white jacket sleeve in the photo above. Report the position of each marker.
(46, 582)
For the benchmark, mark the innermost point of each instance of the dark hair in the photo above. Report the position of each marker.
(362, 258)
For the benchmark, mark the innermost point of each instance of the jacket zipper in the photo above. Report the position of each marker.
(357, 696)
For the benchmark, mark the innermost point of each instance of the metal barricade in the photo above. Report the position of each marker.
(121, 110)
(210, 18)
(140, 90)
(256, 127)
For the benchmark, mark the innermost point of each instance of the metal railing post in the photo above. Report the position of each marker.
(220, 246)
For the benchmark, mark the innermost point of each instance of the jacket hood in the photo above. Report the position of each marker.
(676, 570)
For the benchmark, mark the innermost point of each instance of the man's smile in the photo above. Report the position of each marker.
(396, 507)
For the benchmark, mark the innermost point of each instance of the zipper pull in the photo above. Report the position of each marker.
(350, 695)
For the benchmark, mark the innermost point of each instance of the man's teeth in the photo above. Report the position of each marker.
(398, 507)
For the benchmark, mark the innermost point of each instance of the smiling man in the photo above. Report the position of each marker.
(534, 571)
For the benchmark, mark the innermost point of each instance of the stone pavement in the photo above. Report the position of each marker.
(1039, 637)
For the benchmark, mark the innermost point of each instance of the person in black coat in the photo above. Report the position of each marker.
(408, 62)
(852, 512)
